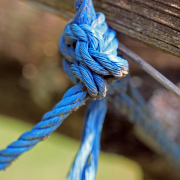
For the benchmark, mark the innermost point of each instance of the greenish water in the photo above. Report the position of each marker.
(52, 158)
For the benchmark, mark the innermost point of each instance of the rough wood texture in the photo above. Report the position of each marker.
(153, 22)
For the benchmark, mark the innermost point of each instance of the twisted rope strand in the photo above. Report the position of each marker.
(90, 51)
(86, 160)
(89, 48)
(91, 167)
(71, 101)
(133, 106)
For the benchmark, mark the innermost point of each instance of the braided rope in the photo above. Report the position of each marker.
(85, 164)
(94, 56)
(89, 48)
(71, 101)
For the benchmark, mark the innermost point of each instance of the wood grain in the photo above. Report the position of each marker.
(153, 22)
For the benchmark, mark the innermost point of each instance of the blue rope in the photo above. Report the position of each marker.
(125, 97)
(85, 164)
(89, 48)
(71, 101)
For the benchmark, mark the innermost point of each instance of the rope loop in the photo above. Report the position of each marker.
(91, 52)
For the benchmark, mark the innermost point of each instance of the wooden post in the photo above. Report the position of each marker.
(153, 22)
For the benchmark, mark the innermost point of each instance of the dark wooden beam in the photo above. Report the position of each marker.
(153, 22)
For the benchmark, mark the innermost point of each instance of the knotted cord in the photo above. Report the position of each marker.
(89, 48)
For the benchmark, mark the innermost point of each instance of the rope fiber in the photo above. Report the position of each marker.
(89, 48)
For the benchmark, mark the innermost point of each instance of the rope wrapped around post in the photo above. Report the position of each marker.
(89, 48)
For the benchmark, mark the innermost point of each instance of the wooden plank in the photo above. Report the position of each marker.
(153, 22)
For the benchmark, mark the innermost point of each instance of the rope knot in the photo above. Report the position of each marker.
(90, 53)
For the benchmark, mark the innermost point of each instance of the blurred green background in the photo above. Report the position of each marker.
(52, 158)
(32, 81)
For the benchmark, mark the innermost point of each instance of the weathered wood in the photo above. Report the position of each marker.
(153, 22)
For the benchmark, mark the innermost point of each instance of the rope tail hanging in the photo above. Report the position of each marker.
(89, 48)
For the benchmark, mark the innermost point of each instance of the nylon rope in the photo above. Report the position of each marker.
(89, 48)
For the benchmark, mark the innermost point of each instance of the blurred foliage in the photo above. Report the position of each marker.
(52, 158)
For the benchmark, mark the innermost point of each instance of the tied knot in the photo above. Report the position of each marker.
(90, 55)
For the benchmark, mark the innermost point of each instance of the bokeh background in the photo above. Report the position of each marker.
(32, 81)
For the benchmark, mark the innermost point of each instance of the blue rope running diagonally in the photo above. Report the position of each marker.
(125, 97)
(89, 48)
